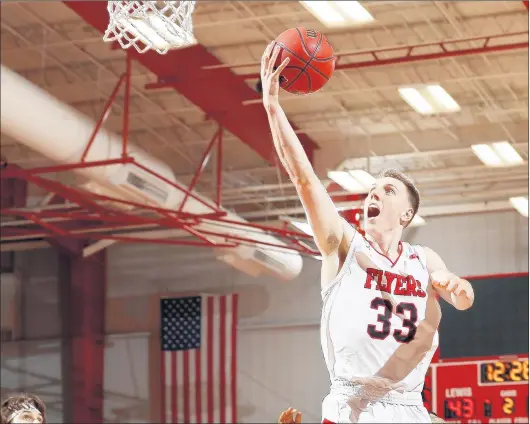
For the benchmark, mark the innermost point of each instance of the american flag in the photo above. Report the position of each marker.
(198, 363)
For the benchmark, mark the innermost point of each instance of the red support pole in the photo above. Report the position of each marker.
(278, 231)
(13, 190)
(219, 179)
(82, 286)
(200, 168)
(103, 117)
(126, 103)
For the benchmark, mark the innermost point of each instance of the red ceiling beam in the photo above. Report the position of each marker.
(417, 52)
(220, 95)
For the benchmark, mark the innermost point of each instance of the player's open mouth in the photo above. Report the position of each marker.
(373, 211)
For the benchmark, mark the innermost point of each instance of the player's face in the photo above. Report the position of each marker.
(26, 417)
(387, 205)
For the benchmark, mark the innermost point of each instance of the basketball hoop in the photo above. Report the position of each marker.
(150, 25)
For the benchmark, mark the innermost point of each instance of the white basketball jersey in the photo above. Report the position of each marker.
(379, 324)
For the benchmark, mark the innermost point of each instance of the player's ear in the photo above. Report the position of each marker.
(406, 216)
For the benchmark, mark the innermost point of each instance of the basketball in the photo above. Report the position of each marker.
(311, 61)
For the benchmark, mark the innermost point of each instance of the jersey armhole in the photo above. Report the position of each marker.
(354, 244)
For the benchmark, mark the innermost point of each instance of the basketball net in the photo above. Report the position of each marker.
(150, 25)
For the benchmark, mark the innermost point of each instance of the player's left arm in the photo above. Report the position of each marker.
(449, 286)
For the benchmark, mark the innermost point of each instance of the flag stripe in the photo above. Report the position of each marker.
(210, 379)
(222, 359)
(198, 361)
(174, 391)
(163, 412)
(198, 386)
(233, 362)
(167, 395)
(186, 388)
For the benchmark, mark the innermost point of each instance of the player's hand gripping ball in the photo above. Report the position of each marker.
(311, 60)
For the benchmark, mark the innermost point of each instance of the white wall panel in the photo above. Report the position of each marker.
(487, 243)
(279, 368)
(126, 382)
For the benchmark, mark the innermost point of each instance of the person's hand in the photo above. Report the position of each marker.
(461, 290)
(451, 283)
(290, 415)
(270, 77)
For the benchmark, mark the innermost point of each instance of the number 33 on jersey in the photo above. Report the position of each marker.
(380, 317)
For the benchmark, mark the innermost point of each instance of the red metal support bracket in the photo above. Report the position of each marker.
(104, 116)
(216, 139)
(126, 104)
(219, 180)
(125, 78)
(413, 53)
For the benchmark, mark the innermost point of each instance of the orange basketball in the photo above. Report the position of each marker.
(311, 62)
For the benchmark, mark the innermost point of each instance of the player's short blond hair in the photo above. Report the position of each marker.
(414, 194)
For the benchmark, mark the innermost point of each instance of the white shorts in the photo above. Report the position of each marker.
(343, 409)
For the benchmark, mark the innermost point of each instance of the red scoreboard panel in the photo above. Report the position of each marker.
(483, 390)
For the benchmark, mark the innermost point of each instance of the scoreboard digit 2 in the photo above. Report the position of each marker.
(482, 390)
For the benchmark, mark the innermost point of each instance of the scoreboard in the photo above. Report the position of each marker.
(483, 390)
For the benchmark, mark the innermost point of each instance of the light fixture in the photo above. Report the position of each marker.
(497, 154)
(363, 177)
(429, 99)
(417, 221)
(520, 204)
(338, 13)
(355, 181)
(346, 181)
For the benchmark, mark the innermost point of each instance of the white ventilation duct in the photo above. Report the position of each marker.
(59, 132)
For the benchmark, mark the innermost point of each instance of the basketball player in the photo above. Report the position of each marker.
(23, 408)
(380, 313)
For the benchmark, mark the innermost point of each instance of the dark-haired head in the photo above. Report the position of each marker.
(23, 408)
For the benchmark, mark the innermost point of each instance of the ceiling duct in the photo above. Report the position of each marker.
(59, 132)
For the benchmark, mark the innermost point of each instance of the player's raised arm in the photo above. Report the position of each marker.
(325, 221)
(452, 288)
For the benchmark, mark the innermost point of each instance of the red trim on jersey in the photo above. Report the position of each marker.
(326, 421)
(400, 249)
